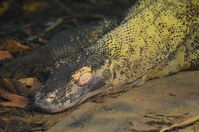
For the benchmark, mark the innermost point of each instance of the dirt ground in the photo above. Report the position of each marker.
(156, 104)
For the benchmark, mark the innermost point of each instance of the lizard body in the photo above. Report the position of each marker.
(155, 39)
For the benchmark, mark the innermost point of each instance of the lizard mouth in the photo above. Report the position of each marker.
(53, 98)
(52, 104)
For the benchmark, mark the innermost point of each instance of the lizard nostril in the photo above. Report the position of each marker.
(50, 98)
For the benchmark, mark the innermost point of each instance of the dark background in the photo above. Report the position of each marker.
(23, 19)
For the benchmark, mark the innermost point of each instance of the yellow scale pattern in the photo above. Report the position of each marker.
(154, 36)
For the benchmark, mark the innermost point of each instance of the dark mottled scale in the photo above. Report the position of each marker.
(72, 40)
(192, 49)
(60, 46)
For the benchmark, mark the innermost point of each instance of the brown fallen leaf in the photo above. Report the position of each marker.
(29, 81)
(139, 126)
(35, 87)
(7, 83)
(21, 89)
(5, 55)
(15, 100)
(13, 46)
(34, 6)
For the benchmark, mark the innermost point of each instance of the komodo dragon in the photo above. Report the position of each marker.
(155, 38)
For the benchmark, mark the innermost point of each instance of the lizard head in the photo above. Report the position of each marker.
(71, 81)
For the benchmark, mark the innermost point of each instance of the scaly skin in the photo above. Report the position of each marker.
(60, 46)
(156, 38)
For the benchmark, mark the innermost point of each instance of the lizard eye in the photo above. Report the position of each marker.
(83, 76)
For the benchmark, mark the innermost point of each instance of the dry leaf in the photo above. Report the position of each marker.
(35, 87)
(12, 104)
(7, 83)
(21, 89)
(13, 46)
(33, 82)
(29, 81)
(15, 100)
(34, 6)
(5, 55)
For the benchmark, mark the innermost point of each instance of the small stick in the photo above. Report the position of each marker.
(181, 124)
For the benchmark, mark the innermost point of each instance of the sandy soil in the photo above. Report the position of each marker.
(156, 104)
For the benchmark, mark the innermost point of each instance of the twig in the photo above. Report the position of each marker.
(58, 22)
(181, 124)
